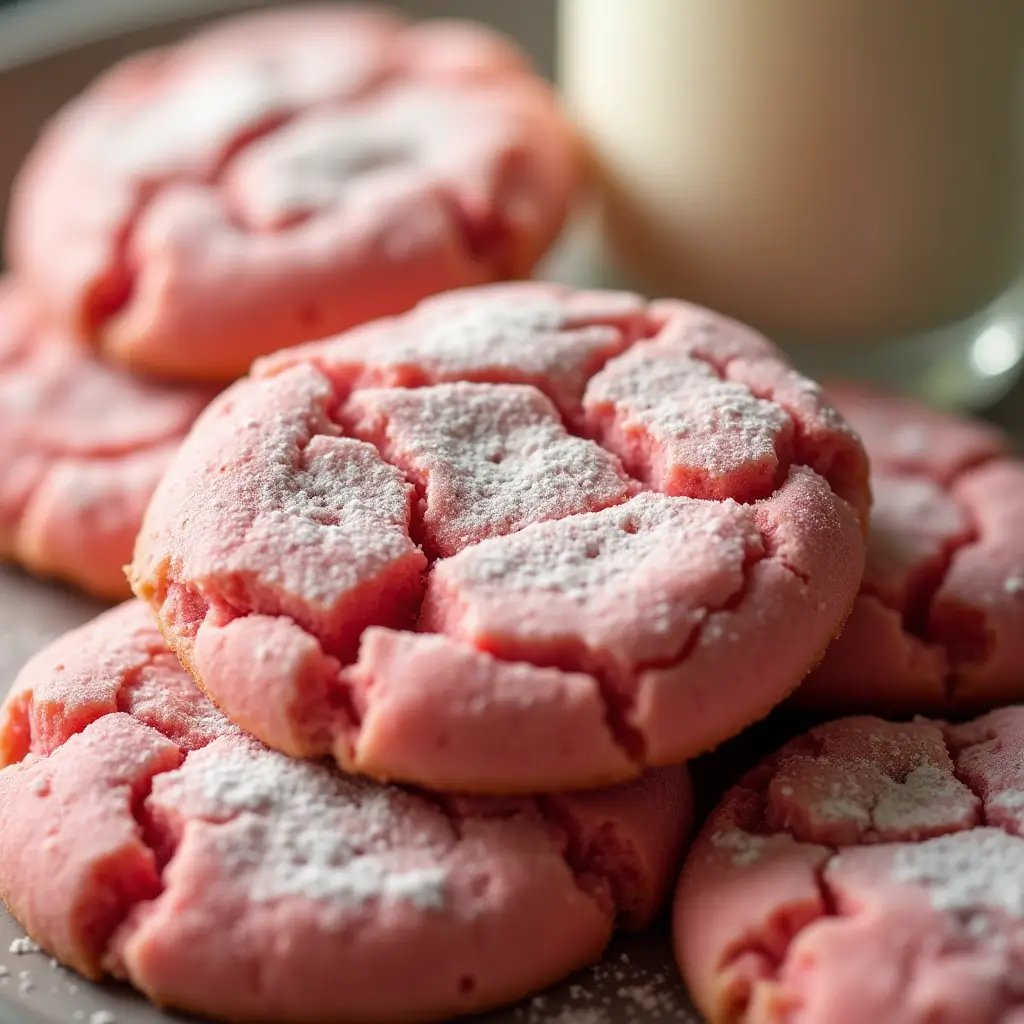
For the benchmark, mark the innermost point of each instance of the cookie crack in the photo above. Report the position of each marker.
(417, 524)
(110, 293)
(954, 753)
(483, 239)
(617, 706)
(22, 709)
(916, 613)
(102, 922)
(790, 447)
(121, 901)
(761, 959)
(916, 623)
(599, 863)
(420, 482)
(751, 558)
(642, 327)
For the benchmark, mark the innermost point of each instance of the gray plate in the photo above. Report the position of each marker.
(49, 49)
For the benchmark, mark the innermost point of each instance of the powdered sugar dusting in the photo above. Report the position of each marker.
(965, 872)
(923, 800)
(163, 696)
(489, 459)
(586, 557)
(859, 795)
(511, 337)
(745, 848)
(1011, 799)
(299, 829)
(327, 157)
(480, 331)
(601, 592)
(201, 107)
(678, 425)
(328, 524)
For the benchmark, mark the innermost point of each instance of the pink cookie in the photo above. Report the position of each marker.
(939, 622)
(222, 878)
(82, 447)
(866, 872)
(286, 175)
(406, 547)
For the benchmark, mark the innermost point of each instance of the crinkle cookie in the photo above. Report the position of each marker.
(868, 871)
(285, 175)
(219, 877)
(82, 446)
(939, 621)
(520, 539)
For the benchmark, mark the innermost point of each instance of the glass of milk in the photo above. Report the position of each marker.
(844, 174)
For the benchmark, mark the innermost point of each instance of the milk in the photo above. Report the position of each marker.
(829, 170)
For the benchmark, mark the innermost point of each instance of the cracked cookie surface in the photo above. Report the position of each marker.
(282, 176)
(939, 622)
(867, 871)
(232, 881)
(82, 446)
(463, 548)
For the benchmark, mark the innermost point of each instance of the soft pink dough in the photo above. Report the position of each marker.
(439, 477)
(284, 175)
(82, 446)
(939, 621)
(868, 871)
(233, 882)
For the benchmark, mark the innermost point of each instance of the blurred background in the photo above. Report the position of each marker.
(840, 175)
(51, 49)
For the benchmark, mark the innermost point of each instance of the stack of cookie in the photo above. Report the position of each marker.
(431, 614)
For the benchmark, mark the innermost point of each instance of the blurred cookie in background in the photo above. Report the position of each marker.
(82, 447)
(284, 175)
(939, 622)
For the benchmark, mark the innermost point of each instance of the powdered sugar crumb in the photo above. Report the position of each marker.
(102, 1017)
(21, 946)
(1014, 585)
(611, 992)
